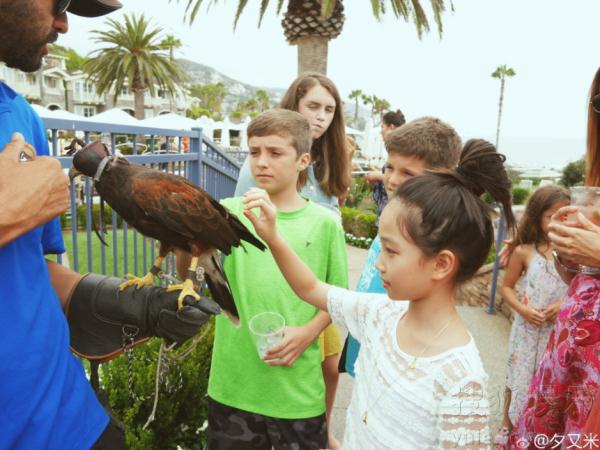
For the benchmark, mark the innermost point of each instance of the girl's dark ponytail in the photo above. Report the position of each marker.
(443, 209)
(481, 169)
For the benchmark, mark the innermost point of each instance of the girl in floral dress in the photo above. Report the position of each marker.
(535, 303)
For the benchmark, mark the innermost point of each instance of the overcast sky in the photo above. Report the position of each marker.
(549, 44)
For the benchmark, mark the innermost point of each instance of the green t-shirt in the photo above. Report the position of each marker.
(238, 377)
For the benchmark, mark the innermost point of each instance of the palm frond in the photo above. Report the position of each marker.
(241, 5)
(133, 55)
(263, 8)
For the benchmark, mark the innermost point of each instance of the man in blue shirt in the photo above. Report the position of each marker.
(46, 400)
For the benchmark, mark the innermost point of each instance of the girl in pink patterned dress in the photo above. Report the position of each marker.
(565, 384)
(535, 303)
(567, 380)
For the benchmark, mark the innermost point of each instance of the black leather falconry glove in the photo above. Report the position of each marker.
(103, 320)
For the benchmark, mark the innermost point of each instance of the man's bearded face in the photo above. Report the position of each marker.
(24, 33)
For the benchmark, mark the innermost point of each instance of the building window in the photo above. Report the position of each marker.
(89, 111)
(31, 78)
(51, 82)
(124, 90)
(88, 88)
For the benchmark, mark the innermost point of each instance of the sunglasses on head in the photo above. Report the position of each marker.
(595, 103)
(61, 7)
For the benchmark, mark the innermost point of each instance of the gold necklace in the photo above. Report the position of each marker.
(411, 365)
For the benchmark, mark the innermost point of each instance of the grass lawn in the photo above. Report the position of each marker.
(126, 262)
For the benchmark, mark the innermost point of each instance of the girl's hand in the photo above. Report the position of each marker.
(532, 315)
(506, 251)
(551, 311)
(576, 240)
(264, 222)
(295, 341)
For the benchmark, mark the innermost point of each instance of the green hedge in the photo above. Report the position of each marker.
(65, 220)
(359, 191)
(359, 223)
(182, 408)
(520, 195)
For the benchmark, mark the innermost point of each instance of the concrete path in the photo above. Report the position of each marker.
(490, 332)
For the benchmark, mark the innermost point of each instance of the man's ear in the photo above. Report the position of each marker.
(445, 265)
(303, 161)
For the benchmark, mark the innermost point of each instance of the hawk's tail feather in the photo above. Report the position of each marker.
(244, 233)
(219, 288)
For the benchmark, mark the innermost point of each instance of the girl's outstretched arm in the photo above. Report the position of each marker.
(300, 278)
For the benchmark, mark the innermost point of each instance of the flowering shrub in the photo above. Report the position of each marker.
(361, 242)
(359, 223)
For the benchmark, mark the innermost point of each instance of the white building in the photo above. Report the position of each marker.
(71, 91)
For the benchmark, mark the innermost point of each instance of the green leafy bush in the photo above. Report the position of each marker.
(182, 407)
(65, 220)
(358, 223)
(573, 173)
(519, 195)
(359, 190)
(491, 257)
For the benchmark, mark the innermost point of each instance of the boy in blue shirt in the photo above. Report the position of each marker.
(425, 143)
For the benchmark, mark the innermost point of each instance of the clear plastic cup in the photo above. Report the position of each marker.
(267, 330)
(587, 198)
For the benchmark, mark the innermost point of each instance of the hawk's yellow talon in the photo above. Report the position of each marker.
(146, 280)
(186, 288)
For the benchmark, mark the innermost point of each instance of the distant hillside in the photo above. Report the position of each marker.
(236, 90)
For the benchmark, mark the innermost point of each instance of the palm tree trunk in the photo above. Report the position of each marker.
(355, 111)
(500, 111)
(138, 96)
(312, 54)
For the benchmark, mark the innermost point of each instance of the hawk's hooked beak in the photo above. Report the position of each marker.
(73, 172)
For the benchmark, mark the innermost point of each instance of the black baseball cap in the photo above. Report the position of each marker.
(93, 8)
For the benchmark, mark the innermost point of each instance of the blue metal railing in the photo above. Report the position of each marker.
(202, 162)
(491, 308)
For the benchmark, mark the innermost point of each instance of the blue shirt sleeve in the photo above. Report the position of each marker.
(52, 240)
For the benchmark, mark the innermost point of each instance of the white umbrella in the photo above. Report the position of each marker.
(46, 113)
(171, 121)
(41, 111)
(353, 131)
(116, 116)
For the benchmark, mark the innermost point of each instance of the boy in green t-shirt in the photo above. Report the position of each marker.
(278, 401)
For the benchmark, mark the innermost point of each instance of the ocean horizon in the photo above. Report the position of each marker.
(531, 152)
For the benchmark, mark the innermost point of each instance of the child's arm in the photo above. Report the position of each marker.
(300, 278)
(516, 266)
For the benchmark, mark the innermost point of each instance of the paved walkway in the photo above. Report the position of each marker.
(490, 332)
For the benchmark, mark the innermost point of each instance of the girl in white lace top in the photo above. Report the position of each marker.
(420, 382)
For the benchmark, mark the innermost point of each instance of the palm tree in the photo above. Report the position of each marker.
(311, 24)
(502, 72)
(355, 95)
(133, 57)
(170, 42)
(380, 105)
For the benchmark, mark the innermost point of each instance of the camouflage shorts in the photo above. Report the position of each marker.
(233, 429)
